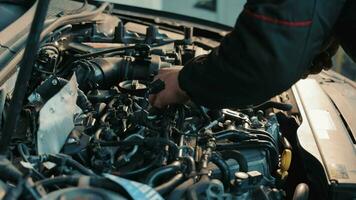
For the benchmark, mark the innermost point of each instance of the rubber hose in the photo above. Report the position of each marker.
(224, 168)
(254, 144)
(236, 155)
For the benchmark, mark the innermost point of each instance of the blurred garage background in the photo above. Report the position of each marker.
(225, 12)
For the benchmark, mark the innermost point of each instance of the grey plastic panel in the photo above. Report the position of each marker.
(323, 133)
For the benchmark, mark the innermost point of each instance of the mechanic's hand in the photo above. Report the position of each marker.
(172, 93)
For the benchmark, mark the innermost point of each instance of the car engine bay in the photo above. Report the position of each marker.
(87, 129)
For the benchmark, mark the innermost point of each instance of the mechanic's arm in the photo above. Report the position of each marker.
(346, 29)
(263, 56)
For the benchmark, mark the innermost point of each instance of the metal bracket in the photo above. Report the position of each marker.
(56, 119)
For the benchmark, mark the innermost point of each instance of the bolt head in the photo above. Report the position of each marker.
(54, 82)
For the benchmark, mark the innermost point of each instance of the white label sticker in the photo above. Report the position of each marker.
(322, 123)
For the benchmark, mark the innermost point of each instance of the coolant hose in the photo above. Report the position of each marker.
(253, 144)
(236, 155)
(224, 168)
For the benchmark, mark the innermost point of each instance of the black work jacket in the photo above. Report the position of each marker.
(271, 47)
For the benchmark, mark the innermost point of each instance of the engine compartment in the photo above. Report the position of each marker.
(87, 126)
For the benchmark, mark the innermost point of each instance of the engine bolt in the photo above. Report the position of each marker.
(71, 141)
(54, 82)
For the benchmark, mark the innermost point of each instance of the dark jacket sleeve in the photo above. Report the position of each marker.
(346, 29)
(268, 50)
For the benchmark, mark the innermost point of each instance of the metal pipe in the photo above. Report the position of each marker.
(162, 172)
(168, 186)
(179, 191)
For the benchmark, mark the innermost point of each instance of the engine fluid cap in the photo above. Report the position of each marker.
(286, 159)
(133, 87)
